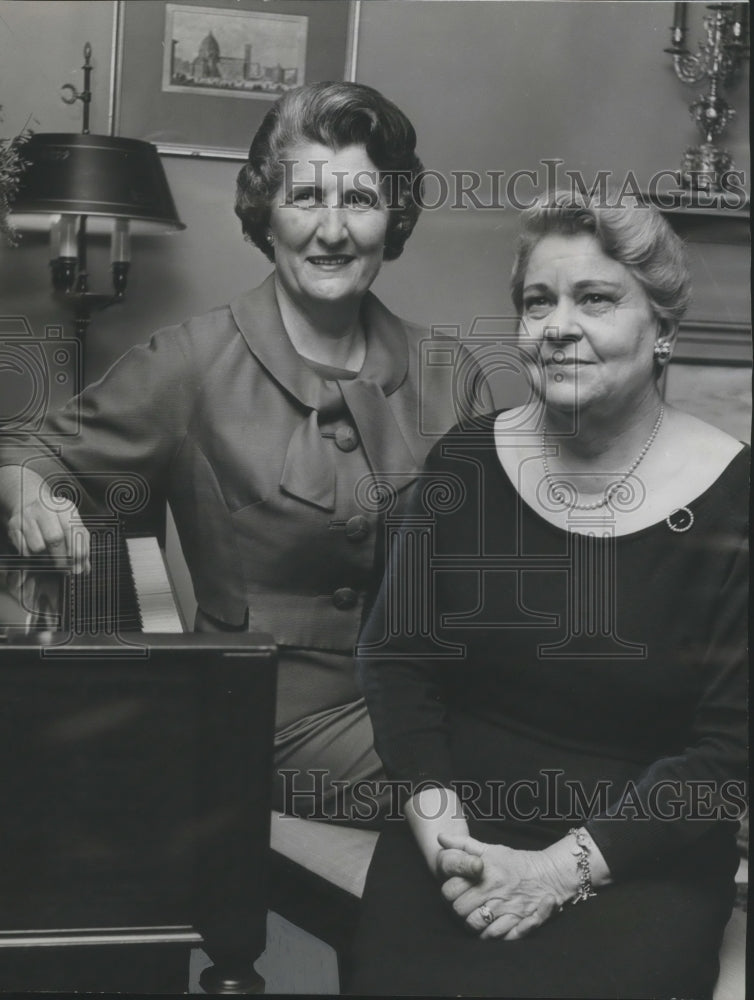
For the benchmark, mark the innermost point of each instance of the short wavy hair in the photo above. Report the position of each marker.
(635, 235)
(335, 115)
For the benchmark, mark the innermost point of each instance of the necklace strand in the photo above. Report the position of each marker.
(560, 496)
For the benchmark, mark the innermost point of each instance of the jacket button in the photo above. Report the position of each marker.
(346, 438)
(357, 528)
(345, 598)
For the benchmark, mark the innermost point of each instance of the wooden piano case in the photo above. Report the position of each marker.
(136, 805)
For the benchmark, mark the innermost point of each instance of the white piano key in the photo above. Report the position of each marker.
(153, 590)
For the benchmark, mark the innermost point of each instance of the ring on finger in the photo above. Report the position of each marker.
(486, 913)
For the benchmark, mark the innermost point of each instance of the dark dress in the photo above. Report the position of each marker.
(558, 679)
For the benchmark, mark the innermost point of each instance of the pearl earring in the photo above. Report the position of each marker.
(662, 351)
(270, 238)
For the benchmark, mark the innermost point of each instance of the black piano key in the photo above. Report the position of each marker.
(105, 600)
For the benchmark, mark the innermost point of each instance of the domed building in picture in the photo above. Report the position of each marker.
(203, 54)
(207, 62)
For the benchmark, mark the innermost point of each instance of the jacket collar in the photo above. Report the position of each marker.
(258, 318)
(309, 471)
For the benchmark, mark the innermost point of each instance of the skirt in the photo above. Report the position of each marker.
(653, 935)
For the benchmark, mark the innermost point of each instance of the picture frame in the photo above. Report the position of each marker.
(196, 77)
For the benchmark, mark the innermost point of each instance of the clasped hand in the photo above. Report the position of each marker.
(517, 891)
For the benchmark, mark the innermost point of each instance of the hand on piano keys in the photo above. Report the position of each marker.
(39, 521)
(127, 590)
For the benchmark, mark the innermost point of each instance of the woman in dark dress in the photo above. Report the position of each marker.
(571, 720)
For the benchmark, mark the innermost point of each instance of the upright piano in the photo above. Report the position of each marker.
(136, 765)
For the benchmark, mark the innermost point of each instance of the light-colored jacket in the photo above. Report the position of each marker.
(268, 466)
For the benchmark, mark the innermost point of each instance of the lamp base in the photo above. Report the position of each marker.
(83, 303)
(704, 166)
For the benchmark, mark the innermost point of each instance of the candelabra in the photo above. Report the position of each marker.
(718, 59)
(77, 179)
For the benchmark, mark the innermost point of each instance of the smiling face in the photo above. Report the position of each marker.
(592, 322)
(329, 224)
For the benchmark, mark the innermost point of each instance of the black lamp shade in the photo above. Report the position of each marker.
(95, 175)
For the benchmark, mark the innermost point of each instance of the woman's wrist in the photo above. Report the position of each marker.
(11, 478)
(19, 485)
(432, 811)
(578, 866)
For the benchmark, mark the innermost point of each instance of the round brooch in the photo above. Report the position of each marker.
(680, 519)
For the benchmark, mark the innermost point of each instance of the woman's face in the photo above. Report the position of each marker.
(592, 322)
(329, 223)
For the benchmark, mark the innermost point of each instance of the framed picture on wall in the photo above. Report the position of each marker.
(197, 77)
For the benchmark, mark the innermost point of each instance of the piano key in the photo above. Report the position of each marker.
(154, 593)
(128, 590)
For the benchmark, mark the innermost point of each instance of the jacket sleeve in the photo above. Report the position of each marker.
(131, 422)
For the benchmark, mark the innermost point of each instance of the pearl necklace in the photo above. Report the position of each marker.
(560, 496)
